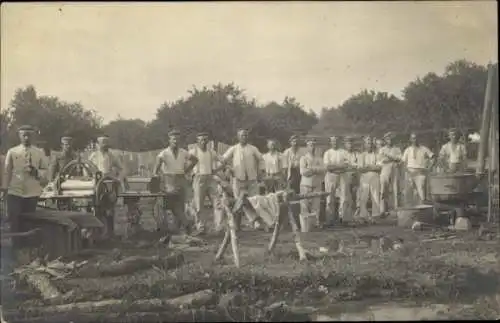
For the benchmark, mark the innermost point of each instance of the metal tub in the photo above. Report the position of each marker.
(445, 187)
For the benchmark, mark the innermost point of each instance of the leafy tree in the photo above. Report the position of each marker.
(52, 117)
(221, 110)
(367, 112)
(127, 134)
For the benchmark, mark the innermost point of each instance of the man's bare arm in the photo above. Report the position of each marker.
(9, 166)
(158, 164)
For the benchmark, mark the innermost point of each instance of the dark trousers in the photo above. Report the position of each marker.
(294, 184)
(16, 205)
(175, 202)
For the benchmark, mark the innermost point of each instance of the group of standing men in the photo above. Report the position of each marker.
(26, 170)
(372, 174)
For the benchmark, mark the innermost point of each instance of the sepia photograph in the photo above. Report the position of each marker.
(249, 161)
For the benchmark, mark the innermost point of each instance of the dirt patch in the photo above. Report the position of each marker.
(440, 272)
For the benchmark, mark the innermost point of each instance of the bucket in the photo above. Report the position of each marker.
(308, 221)
(408, 215)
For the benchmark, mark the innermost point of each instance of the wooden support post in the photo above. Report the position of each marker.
(296, 235)
(276, 231)
(234, 238)
(223, 246)
(493, 153)
(485, 124)
(230, 234)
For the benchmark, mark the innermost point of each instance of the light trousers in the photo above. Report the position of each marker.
(348, 203)
(308, 206)
(204, 186)
(333, 183)
(416, 184)
(251, 187)
(389, 187)
(369, 189)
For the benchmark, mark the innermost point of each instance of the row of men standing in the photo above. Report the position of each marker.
(374, 175)
(369, 175)
(341, 169)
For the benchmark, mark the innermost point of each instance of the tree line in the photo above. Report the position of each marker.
(430, 103)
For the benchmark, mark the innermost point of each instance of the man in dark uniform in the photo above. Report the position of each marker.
(66, 155)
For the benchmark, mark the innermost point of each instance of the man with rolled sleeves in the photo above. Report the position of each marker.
(453, 155)
(204, 185)
(245, 160)
(60, 160)
(22, 182)
(312, 172)
(390, 158)
(418, 160)
(172, 164)
(334, 159)
(351, 161)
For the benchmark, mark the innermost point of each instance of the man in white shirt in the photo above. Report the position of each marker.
(349, 180)
(172, 164)
(245, 160)
(453, 155)
(273, 167)
(418, 160)
(369, 166)
(22, 181)
(312, 171)
(109, 165)
(204, 184)
(334, 160)
(105, 161)
(390, 157)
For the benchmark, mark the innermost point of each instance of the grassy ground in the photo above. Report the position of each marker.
(463, 271)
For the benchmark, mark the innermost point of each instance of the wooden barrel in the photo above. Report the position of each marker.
(408, 215)
(451, 186)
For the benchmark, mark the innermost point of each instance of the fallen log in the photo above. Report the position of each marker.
(198, 299)
(130, 265)
(143, 317)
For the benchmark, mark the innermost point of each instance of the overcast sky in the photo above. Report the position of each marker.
(128, 59)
